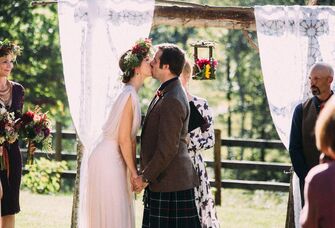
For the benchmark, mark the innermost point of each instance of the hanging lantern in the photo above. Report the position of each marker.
(204, 68)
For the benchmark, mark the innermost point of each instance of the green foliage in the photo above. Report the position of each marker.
(237, 96)
(9, 47)
(238, 86)
(39, 68)
(44, 176)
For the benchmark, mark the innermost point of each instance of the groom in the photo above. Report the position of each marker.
(167, 171)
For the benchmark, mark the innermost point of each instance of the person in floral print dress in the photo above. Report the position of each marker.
(201, 138)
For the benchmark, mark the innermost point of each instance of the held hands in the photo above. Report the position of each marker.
(138, 184)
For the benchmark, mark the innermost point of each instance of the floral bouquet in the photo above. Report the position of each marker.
(35, 129)
(204, 69)
(8, 134)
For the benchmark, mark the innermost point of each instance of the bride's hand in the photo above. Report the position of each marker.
(133, 177)
(140, 184)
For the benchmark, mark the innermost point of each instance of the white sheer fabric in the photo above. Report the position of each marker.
(291, 39)
(93, 35)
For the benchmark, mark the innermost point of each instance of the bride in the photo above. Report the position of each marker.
(106, 172)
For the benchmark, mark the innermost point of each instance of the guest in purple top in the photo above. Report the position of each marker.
(11, 98)
(319, 209)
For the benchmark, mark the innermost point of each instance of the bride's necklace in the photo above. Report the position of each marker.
(6, 93)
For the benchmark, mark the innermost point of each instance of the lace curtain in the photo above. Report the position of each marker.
(291, 39)
(93, 36)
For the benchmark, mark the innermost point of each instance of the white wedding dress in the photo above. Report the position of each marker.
(106, 200)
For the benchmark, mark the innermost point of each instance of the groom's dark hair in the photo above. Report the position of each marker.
(173, 56)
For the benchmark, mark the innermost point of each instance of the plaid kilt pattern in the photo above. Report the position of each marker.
(170, 210)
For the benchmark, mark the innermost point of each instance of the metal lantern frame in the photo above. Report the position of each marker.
(204, 73)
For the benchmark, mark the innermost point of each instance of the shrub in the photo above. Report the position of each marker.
(44, 176)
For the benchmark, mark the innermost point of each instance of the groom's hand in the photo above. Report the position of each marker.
(139, 184)
(136, 186)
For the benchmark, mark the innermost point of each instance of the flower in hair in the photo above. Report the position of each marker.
(137, 53)
(159, 93)
(7, 47)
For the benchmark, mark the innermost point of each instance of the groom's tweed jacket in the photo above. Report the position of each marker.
(164, 157)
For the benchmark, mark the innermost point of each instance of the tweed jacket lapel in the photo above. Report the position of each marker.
(157, 98)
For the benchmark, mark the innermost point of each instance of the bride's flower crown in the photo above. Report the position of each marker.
(9, 47)
(137, 53)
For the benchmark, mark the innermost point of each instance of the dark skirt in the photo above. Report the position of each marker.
(170, 209)
(11, 186)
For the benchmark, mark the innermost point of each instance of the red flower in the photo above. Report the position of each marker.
(142, 47)
(28, 117)
(35, 124)
(203, 62)
(159, 93)
(139, 50)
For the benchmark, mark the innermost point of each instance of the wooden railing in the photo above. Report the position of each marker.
(218, 164)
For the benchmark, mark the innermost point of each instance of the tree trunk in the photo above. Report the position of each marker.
(242, 130)
(75, 204)
(229, 150)
(289, 223)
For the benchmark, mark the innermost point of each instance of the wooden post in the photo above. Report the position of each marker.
(58, 141)
(290, 223)
(210, 52)
(217, 166)
(195, 53)
(75, 204)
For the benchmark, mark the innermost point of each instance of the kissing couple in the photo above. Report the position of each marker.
(166, 172)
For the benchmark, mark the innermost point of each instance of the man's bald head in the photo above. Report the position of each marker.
(324, 68)
(321, 76)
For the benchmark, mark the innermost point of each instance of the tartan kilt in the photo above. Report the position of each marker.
(170, 209)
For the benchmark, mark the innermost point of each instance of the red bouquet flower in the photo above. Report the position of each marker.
(203, 62)
(205, 68)
(8, 134)
(35, 128)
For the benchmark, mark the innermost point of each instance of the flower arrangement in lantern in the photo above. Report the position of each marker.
(204, 68)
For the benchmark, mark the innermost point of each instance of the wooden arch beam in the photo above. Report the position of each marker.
(195, 15)
(206, 16)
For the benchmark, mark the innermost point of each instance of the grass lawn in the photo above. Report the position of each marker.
(239, 208)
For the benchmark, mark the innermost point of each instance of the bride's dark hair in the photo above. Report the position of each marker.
(133, 58)
(127, 74)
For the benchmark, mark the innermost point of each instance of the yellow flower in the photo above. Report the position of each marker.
(207, 71)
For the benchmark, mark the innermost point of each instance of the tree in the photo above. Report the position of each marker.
(39, 69)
